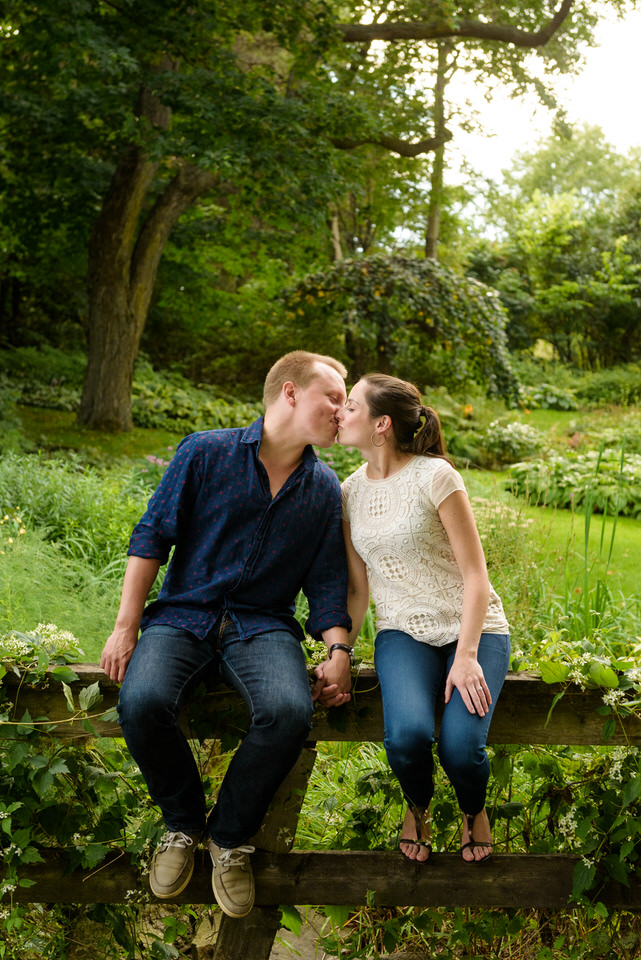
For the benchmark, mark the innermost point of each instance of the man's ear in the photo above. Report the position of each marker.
(289, 392)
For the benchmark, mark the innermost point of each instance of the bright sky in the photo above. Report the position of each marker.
(606, 94)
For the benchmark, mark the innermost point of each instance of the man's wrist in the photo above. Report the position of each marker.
(345, 647)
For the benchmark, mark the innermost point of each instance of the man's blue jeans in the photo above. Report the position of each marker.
(412, 676)
(269, 671)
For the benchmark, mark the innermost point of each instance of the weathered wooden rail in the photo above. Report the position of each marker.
(286, 876)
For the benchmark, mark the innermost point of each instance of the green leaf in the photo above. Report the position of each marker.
(509, 810)
(69, 698)
(339, 915)
(631, 791)
(583, 878)
(110, 715)
(89, 696)
(608, 728)
(557, 697)
(553, 671)
(603, 675)
(64, 674)
(617, 869)
(291, 919)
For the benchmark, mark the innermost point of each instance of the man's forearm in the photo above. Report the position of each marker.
(139, 578)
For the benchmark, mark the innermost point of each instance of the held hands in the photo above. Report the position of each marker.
(117, 654)
(466, 675)
(333, 681)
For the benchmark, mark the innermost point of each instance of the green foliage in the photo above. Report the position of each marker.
(407, 316)
(46, 378)
(620, 385)
(606, 481)
(171, 402)
(343, 460)
(549, 396)
(85, 512)
(10, 434)
(509, 441)
(567, 263)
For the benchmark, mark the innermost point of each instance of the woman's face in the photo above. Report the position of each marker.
(355, 426)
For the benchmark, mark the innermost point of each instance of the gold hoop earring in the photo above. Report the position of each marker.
(371, 440)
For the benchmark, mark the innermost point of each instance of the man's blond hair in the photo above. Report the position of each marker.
(301, 368)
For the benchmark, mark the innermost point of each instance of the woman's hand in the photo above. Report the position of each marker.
(466, 675)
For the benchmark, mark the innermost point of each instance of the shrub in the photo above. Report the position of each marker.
(507, 442)
(619, 385)
(605, 481)
(405, 315)
(549, 396)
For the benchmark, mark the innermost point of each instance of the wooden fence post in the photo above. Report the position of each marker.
(253, 936)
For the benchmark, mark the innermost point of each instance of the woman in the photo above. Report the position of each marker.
(412, 540)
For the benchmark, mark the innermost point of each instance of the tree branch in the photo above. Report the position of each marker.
(402, 147)
(189, 183)
(466, 29)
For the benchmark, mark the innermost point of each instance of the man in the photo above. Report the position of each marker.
(253, 517)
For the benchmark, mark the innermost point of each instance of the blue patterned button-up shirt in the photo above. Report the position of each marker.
(236, 548)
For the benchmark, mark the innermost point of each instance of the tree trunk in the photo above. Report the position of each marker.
(438, 162)
(124, 252)
(122, 273)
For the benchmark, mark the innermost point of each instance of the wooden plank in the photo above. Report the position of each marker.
(253, 936)
(345, 877)
(521, 716)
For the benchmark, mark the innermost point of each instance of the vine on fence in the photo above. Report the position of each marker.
(89, 799)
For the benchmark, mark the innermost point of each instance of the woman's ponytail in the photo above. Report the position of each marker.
(428, 439)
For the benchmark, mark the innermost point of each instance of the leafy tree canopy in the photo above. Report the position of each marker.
(408, 316)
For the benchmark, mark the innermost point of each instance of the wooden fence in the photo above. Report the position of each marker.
(286, 876)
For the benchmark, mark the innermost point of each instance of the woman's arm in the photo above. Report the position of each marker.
(358, 586)
(466, 673)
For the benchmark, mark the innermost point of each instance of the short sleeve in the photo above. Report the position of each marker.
(445, 480)
(345, 492)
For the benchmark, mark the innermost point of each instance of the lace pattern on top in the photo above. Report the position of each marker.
(414, 579)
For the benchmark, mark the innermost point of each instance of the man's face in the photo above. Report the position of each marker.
(318, 404)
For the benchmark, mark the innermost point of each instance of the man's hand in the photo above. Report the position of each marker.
(334, 680)
(117, 654)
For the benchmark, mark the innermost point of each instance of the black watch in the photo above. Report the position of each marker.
(346, 648)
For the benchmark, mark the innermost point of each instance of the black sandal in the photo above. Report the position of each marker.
(472, 844)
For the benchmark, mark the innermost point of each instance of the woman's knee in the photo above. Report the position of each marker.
(463, 760)
(408, 745)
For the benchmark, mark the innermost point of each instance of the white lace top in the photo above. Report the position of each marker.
(414, 579)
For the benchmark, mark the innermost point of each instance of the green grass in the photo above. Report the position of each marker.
(39, 584)
(57, 430)
(561, 534)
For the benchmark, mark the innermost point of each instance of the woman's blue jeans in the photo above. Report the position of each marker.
(269, 671)
(412, 676)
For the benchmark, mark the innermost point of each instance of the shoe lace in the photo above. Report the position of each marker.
(174, 838)
(235, 856)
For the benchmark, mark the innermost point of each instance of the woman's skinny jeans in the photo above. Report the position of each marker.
(269, 671)
(412, 675)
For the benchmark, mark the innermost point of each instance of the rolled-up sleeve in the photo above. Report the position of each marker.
(159, 527)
